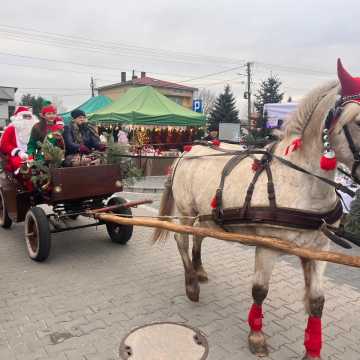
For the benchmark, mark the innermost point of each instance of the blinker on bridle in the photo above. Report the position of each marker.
(332, 117)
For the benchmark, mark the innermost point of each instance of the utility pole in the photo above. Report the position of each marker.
(92, 86)
(248, 73)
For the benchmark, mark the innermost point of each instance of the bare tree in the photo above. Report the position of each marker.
(208, 99)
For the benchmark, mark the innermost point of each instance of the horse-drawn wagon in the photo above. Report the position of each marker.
(75, 191)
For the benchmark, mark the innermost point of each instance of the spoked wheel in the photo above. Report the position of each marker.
(120, 234)
(37, 234)
(5, 220)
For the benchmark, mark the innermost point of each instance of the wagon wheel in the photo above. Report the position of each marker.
(37, 234)
(120, 234)
(5, 220)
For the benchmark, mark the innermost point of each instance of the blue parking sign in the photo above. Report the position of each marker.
(197, 106)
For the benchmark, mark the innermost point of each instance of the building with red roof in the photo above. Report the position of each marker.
(181, 94)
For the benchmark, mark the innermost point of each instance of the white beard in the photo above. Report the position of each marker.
(23, 130)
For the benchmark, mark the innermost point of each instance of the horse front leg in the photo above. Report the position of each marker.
(191, 280)
(314, 303)
(196, 259)
(264, 263)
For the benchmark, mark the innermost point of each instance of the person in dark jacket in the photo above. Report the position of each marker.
(81, 137)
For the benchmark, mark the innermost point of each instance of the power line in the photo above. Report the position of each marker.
(106, 44)
(215, 73)
(54, 39)
(86, 65)
(100, 48)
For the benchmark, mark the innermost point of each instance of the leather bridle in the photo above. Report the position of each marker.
(356, 154)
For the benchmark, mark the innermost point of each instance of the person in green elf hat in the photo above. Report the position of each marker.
(47, 128)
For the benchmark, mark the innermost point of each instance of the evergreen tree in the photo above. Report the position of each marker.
(224, 110)
(269, 92)
(35, 102)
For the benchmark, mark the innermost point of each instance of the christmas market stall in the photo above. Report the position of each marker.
(157, 127)
(91, 105)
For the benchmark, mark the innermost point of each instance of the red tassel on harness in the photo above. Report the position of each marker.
(328, 161)
(313, 337)
(187, 148)
(216, 142)
(295, 145)
(213, 203)
(256, 165)
(255, 317)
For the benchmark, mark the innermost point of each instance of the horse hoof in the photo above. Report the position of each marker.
(193, 293)
(257, 344)
(202, 275)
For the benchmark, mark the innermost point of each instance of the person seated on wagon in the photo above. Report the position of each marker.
(47, 128)
(80, 136)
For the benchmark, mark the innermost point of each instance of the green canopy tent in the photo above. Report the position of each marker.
(146, 106)
(93, 104)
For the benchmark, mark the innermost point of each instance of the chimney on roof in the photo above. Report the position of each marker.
(123, 76)
(143, 74)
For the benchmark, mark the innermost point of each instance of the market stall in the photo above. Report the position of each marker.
(157, 127)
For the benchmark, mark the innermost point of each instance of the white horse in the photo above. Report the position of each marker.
(194, 182)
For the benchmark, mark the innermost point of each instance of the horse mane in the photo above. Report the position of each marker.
(299, 120)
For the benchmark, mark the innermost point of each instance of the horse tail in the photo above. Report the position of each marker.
(167, 205)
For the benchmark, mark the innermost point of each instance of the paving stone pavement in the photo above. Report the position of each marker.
(90, 293)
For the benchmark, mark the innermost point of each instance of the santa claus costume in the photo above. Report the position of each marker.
(13, 143)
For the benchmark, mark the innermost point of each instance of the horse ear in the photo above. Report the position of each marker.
(343, 75)
(350, 86)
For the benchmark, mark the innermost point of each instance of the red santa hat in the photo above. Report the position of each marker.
(20, 109)
(350, 86)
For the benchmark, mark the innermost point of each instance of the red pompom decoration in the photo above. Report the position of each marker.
(213, 203)
(295, 145)
(216, 142)
(255, 165)
(328, 161)
(187, 148)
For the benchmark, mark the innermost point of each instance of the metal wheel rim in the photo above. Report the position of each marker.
(31, 235)
(117, 229)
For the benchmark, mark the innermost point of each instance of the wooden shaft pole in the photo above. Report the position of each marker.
(254, 240)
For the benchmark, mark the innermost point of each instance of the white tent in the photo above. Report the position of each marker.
(279, 111)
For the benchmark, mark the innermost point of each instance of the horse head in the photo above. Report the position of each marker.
(341, 133)
(327, 124)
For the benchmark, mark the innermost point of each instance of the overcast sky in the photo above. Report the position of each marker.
(182, 41)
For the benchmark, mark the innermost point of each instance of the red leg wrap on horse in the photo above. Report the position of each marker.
(313, 337)
(255, 317)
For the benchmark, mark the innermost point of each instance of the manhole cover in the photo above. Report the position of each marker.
(164, 341)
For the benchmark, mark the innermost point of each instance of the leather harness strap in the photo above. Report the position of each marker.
(272, 215)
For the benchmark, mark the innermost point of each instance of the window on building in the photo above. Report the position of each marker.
(176, 99)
